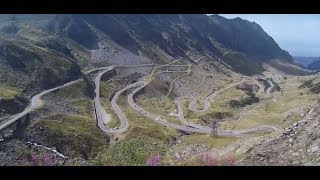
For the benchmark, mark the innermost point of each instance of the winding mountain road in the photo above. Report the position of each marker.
(194, 127)
(192, 105)
(101, 113)
(178, 102)
(158, 118)
(189, 126)
(261, 87)
(35, 101)
(270, 89)
(175, 79)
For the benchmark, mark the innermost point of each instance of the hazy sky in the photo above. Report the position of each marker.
(299, 34)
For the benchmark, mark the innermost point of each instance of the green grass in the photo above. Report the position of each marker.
(76, 95)
(185, 109)
(217, 104)
(114, 121)
(84, 106)
(253, 121)
(270, 112)
(294, 118)
(139, 124)
(190, 115)
(106, 91)
(220, 102)
(73, 134)
(160, 107)
(7, 92)
(211, 142)
(132, 152)
(142, 125)
(289, 99)
(34, 67)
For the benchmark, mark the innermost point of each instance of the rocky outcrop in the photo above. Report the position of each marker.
(247, 87)
(299, 144)
(248, 99)
(265, 83)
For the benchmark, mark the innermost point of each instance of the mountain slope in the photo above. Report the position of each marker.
(183, 55)
(315, 65)
(31, 61)
(51, 49)
(247, 37)
(214, 36)
(305, 61)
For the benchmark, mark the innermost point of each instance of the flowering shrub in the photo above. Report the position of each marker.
(154, 160)
(227, 160)
(34, 159)
(44, 160)
(208, 159)
(48, 159)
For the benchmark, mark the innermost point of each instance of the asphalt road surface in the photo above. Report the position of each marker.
(101, 113)
(35, 101)
(194, 127)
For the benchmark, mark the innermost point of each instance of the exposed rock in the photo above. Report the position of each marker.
(298, 145)
(248, 87)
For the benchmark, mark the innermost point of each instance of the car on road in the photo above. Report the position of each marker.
(158, 118)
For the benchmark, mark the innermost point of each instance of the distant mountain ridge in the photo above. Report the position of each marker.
(315, 65)
(305, 61)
